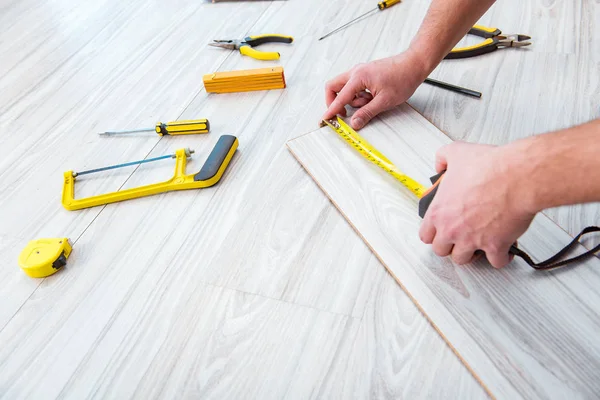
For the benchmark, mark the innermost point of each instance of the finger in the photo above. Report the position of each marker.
(360, 102)
(368, 112)
(498, 259)
(442, 247)
(345, 96)
(334, 86)
(463, 255)
(427, 231)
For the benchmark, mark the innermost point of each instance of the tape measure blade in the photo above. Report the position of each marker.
(360, 139)
(375, 156)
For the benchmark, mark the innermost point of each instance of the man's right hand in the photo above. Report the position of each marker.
(374, 87)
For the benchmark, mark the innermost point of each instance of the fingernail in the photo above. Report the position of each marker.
(358, 123)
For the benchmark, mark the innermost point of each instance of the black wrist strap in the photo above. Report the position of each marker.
(555, 261)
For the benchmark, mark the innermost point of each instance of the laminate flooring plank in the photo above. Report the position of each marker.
(553, 25)
(16, 287)
(398, 354)
(523, 333)
(39, 38)
(187, 339)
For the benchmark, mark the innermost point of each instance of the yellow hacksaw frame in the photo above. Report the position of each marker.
(210, 173)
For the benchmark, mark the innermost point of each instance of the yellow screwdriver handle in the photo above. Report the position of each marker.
(387, 4)
(185, 127)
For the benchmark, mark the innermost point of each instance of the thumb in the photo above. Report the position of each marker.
(368, 112)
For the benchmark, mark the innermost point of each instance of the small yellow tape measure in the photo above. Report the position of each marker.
(373, 155)
(44, 257)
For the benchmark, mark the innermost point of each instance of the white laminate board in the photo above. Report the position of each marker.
(522, 332)
(185, 339)
(393, 346)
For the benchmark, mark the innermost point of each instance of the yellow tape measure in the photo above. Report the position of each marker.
(373, 155)
(44, 257)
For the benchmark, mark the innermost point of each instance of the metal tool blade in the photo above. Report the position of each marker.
(127, 131)
(189, 153)
(348, 23)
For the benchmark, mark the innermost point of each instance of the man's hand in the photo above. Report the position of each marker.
(481, 203)
(374, 87)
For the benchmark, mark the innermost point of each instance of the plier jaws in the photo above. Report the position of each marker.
(513, 40)
(494, 39)
(246, 46)
(227, 44)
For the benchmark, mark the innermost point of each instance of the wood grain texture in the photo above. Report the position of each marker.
(523, 333)
(223, 292)
(126, 77)
(382, 354)
(201, 341)
(202, 293)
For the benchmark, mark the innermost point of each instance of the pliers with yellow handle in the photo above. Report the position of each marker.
(494, 39)
(246, 46)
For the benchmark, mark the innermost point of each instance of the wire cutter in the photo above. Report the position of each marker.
(246, 46)
(494, 39)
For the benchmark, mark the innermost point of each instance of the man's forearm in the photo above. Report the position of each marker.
(558, 168)
(446, 22)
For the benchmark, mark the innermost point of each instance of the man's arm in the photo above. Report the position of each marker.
(446, 22)
(489, 195)
(383, 84)
(564, 166)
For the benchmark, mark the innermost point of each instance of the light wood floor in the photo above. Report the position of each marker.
(243, 289)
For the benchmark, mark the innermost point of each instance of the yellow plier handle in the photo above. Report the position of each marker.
(251, 41)
(487, 46)
(259, 55)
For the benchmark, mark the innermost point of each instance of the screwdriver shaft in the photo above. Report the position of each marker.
(348, 23)
(127, 131)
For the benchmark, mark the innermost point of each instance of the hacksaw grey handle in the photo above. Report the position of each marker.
(219, 158)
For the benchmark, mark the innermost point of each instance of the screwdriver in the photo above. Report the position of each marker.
(185, 127)
(382, 5)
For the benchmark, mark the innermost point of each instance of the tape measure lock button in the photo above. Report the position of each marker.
(44, 257)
